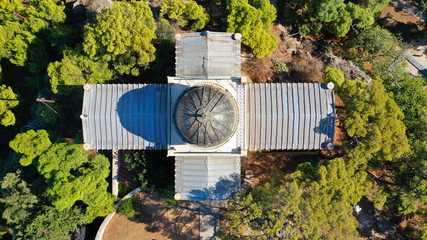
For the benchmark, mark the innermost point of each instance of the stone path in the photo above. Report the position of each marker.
(411, 9)
(209, 218)
(115, 174)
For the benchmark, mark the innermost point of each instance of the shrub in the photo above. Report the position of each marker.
(334, 75)
(127, 208)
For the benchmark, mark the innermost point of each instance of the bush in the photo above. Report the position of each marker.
(334, 75)
(48, 114)
(138, 161)
(165, 30)
(123, 190)
(127, 208)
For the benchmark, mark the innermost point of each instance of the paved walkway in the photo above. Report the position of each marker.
(411, 9)
(115, 174)
(209, 218)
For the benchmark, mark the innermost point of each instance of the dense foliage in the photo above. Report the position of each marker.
(74, 175)
(122, 36)
(77, 69)
(127, 208)
(8, 100)
(30, 145)
(18, 200)
(337, 16)
(311, 203)
(252, 18)
(374, 115)
(137, 161)
(51, 223)
(47, 190)
(28, 29)
(185, 13)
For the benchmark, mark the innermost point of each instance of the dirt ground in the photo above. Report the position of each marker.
(154, 219)
(400, 22)
(263, 163)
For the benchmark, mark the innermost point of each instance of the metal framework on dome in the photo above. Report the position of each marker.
(206, 116)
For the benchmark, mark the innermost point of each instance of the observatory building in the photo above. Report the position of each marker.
(207, 116)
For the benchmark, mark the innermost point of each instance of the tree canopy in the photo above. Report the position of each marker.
(311, 203)
(30, 145)
(122, 36)
(24, 24)
(8, 100)
(19, 202)
(73, 174)
(75, 68)
(337, 16)
(252, 18)
(185, 13)
(374, 115)
(53, 224)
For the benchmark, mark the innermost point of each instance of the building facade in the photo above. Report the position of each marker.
(207, 116)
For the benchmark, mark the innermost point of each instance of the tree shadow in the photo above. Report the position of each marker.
(143, 112)
(408, 31)
(327, 127)
(223, 189)
(172, 223)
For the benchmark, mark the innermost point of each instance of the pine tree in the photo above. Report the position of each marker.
(122, 36)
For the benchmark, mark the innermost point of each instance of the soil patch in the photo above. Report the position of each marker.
(264, 163)
(154, 219)
(400, 22)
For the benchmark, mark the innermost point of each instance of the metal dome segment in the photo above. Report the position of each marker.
(206, 116)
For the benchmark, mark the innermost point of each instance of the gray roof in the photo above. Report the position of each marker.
(209, 177)
(125, 116)
(290, 116)
(208, 55)
(206, 116)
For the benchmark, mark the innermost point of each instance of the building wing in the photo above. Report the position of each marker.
(208, 55)
(125, 116)
(207, 177)
(293, 116)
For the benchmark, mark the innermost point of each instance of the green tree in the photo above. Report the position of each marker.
(127, 207)
(30, 145)
(334, 75)
(252, 18)
(173, 10)
(20, 26)
(76, 69)
(373, 115)
(311, 203)
(377, 40)
(53, 224)
(138, 161)
(195, 16)
(335, 16)
(8, 100)
(19, 202)
(48, 115)
(73, 174)
(409, 94)
(165, 31)
(342, 25)
(122, 36)
(185, 13)
(411, 180)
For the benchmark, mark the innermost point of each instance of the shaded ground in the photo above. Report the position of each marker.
(263, 163)
(373, 224)
(154, 219)
(400, 22)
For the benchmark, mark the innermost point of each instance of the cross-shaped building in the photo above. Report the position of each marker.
(208, 116)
